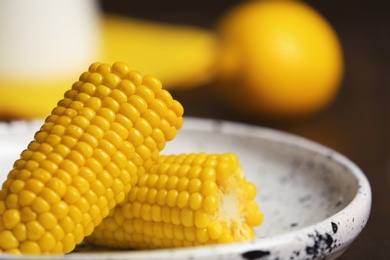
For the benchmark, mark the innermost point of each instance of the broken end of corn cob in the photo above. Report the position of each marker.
(238, 211)
(85, 158)
(184, 200)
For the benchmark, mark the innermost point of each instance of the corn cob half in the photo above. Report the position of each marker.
(184, 200)
(85, 158)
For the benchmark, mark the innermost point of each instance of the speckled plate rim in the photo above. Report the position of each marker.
(261, 247)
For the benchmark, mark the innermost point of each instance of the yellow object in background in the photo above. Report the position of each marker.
(180, 56)
(279, 59)
(276, 59)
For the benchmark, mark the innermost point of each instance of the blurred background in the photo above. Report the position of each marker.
(330, 83)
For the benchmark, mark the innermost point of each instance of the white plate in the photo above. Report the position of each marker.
(315, 201)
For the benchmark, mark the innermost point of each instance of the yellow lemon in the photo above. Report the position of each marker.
(280, 59)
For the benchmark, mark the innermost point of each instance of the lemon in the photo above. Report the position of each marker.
(280, 59)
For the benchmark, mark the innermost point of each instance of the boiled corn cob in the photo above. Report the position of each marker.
(184, 200)
(104, 133)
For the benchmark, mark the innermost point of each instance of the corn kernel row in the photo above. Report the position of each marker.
(85, 158)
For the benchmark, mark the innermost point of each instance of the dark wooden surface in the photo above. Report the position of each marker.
(356, 124)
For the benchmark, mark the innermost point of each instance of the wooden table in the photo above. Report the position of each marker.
(356, 124)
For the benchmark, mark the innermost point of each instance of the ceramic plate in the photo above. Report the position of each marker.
(315, 200)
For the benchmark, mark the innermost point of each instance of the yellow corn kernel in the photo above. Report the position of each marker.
(108, 128)
(200, 199)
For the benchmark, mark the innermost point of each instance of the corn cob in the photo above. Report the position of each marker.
(184, 200)
(85, 158)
